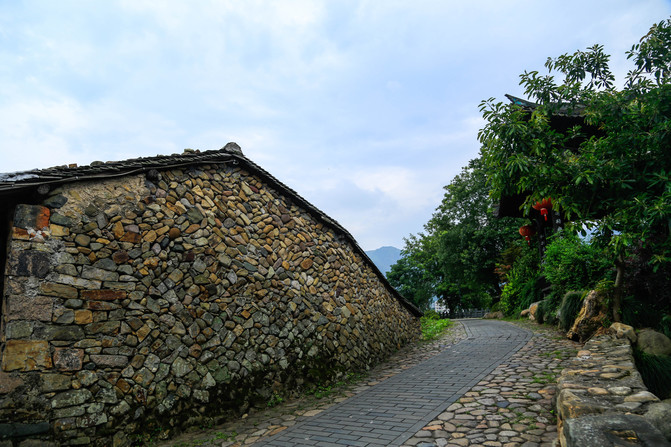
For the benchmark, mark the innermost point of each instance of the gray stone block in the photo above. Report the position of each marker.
(612, 430)
(15, 430)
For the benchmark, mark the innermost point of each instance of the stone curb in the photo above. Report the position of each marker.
(603, 380)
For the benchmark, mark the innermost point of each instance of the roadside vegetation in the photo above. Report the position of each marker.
(609, 177)
(598, 150)
(433, 326)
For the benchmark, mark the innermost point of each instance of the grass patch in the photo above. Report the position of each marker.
(321, 391)
(559, 354)
(544, 378)
(433, 326)
(275, 400)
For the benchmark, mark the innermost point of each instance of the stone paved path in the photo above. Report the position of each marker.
(393, 411)
(510, 407)
(486, 383)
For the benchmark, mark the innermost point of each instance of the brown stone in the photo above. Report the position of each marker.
(68, 359)
(83, 316)
(83, 240)
(58, 231)
(38, 308)
(9, 383)
(20, 234)
(622, 330)
(195, 350)
(104, 295)
(152, 262)
(591, 317)
(103, 327)
(118, 230)
(26, 355)
(306, 264)
(123, 385)
(192, 228)
(150, 236)
(58, 290)
(174, 233)
(143, 332)
(101, 305)
(120, 256)
(131, 237)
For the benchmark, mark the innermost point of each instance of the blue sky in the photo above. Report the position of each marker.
(366, 108)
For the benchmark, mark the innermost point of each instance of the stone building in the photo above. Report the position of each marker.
(153, 294)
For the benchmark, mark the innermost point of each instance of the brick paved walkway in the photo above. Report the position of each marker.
(393, 411)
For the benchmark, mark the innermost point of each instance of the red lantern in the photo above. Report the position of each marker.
(543, 206)
(527, 231)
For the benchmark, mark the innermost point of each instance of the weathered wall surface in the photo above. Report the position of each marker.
(135, 304)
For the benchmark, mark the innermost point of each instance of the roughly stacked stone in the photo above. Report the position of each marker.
(602, 380)
(256, 426)
(134, 305)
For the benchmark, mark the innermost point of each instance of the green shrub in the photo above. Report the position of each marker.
(433, 327)
(665, 325)
(656, 372)
(549, 307)
(569, 309)
(431, 315)
(521, 288)
(571, 263)
(546, 312)
(540, 313)
(639, 314)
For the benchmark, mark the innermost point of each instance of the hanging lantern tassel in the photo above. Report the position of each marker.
(527, 231)
(544, 206)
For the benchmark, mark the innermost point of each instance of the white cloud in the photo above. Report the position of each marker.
(366, 108)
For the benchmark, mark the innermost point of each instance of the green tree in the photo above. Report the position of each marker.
(410, 275)
(454, 260)
(611, 171)
(520, 275)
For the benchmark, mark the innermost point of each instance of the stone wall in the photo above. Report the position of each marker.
(602, 399)
(150, 303)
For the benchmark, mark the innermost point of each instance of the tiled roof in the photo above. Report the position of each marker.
(43, 180)
(11, 183)
(565, 110)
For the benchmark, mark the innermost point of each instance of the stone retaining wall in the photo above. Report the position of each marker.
(147, 304)
(602, 399)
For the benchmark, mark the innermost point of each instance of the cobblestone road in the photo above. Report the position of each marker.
(393, 411)
(487, 383)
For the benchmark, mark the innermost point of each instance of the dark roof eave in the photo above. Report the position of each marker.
(560, 110)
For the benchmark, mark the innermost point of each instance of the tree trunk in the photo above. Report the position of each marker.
(617, 290)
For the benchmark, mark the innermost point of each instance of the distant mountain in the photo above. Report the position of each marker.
(384, 257)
